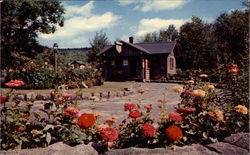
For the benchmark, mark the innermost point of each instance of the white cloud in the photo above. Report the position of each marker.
(156, 24)
(80, 20)
(75, 10)
(154, 5)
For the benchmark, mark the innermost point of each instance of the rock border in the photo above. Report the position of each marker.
(236, 144)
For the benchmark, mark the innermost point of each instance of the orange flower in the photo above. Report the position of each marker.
(173, 133)
(86, 121)
(20, 128)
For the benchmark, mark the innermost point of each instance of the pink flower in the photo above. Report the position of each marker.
(148, 130)
(59, 100)
(134, 114)
(174, 116)
(129, 106)
(109, 134)
(68, 95)
(71, 111)
(110, 144)
(148, 107)
(15, 83)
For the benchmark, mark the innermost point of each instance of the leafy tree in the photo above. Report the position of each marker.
(97, 43)
(170, 34)
(232, 33)
(197, 44)
(21, 21)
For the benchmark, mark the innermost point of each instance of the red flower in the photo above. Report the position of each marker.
(148, 130)
(25, 117)
(109, 134)
(140, 91)
(52, 93)
(15, 83)
(134, 114)
(59, 100)
(173, 133)
(129, 106)
(71, 111)
(148, 107)
(160, 101)
(174, 116)
(110, 121)
(189, 92)
(86, 121)
(186, 110)
(232, 68)
(68, 95)
(21, 128)
(3, 98)
(120, 127)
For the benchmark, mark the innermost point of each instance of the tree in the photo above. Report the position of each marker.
(197, 44)
(21, 21)
(232, 34)
(99, 41)
(170, 34)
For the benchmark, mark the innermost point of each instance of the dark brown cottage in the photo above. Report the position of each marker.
(138, 61)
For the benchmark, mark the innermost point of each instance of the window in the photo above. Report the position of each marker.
(171, 64)
(125, 62)
(112, 62)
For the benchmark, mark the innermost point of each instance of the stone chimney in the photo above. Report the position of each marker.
(131, 40)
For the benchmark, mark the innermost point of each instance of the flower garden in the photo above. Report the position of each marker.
(204, 115)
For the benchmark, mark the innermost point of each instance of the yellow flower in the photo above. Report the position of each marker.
(216, 115)
(204, 75)
(199, 93)
(190, 81)
(210, 86)
(241, 109)
(178, 89)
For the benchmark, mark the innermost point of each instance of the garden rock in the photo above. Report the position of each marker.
(30, 96)
(20, 97)
(227, 149)
(240, 139)
(194, 149)
(55, 149)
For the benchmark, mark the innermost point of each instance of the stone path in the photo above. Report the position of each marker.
(114, 107)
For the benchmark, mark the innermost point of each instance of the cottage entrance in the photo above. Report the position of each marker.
(132, 67)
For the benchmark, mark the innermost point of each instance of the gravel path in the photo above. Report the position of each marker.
(114, 107)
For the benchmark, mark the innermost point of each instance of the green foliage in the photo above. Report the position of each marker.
(197, 45)
(99, 41)
(21, 21)
(232, 33)
(44, 76)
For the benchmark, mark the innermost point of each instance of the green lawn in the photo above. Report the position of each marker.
(107, 86)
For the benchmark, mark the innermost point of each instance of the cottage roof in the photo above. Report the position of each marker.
(158, 48)
(150, 48)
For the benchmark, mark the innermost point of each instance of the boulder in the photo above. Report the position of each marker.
(194, 149)
(239, 139)
(55, 149)
(227, 149)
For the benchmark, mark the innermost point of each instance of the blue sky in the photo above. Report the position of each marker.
(120, 19)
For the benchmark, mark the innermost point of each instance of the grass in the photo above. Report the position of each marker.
(107, 86)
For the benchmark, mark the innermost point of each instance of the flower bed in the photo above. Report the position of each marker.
(199, 118)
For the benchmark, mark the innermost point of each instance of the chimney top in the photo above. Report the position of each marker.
(131, 40)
